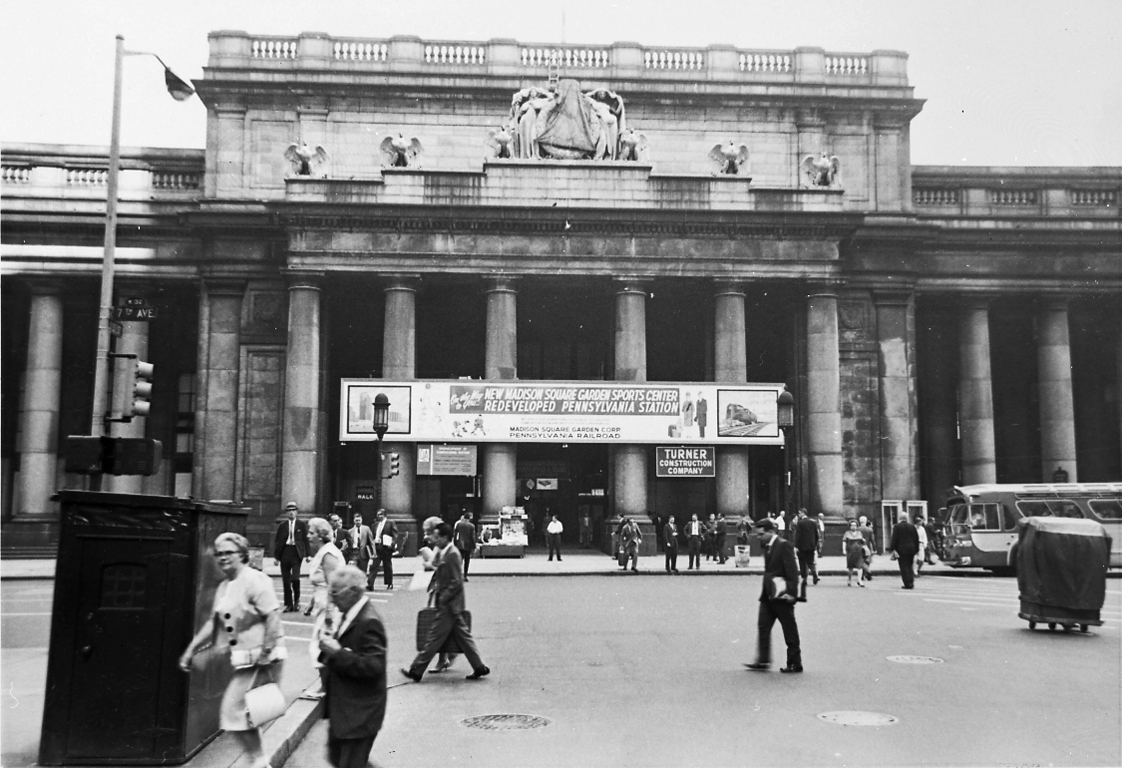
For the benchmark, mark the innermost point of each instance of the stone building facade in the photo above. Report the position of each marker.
(936, 325)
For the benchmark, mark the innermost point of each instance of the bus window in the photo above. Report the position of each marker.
(1107, 509)
(957, 515)
(1010, 516)
(985, 517)
(1033, 508)
(1065, 508)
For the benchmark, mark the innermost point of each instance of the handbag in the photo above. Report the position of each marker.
(264, 703)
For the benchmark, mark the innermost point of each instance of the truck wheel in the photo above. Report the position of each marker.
(1032, 624)
(1082, 627)
(1052, 626)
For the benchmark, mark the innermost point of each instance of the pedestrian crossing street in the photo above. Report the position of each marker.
(984, 594)
(299, 628)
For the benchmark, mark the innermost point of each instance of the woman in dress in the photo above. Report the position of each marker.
(246, 625)
(853, 542)
(326, 557)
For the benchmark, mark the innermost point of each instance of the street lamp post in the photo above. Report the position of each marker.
(180, 91)
(381, 424)
(785, 407)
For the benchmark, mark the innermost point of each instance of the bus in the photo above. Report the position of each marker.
(980, 526)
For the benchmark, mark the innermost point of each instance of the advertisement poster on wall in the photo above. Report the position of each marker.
(472, 411)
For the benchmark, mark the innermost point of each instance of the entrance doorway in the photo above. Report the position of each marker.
(564, 479)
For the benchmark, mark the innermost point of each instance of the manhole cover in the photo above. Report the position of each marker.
(505, 722)
(915, 659)
(858, 718)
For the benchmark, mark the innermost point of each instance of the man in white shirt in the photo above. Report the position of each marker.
(553, 537)
(385, 533)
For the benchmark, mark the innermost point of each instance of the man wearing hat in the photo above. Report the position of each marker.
(290, 545)
(777, 599)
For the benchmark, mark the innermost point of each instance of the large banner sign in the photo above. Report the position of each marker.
(472, 411)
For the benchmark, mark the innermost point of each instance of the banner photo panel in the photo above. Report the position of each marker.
(473, 411)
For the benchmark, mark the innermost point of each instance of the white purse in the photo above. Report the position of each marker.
(264, 703)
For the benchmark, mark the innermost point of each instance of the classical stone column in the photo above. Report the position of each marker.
(730, 363)
(301, 396)
(219, 381)
(629, 474)
(399, 361)
(500, 481)
(38, 419)
(899, 468)
(976, 393)
(133, 340)
(1057, 406)
(823, 381)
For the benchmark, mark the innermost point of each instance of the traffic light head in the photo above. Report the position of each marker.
(395, 464)
(136, 387)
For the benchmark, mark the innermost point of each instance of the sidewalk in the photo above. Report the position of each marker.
(579, 562)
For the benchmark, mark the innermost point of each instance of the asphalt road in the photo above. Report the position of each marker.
(647, 671)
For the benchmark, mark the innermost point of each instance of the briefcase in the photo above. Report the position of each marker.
(426, 618)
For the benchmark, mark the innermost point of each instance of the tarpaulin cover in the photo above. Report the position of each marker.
(1063, 562)
(570, 123)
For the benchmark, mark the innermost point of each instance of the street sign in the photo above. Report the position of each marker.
(686, 461)
(116, 328)
(134, 313)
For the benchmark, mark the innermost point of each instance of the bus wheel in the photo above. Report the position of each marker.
(1052, 626)
(1032, 624)
(1083, 628)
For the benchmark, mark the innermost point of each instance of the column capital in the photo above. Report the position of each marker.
(631, 284)
(304, 279)
(723, 286)
(224, 287)
(892, 296)
(827, 288)
(501, 283)
(44, 286)
(401, 282)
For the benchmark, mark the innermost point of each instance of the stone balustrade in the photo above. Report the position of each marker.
(1016, 192)
(501, 57)
(33, 170)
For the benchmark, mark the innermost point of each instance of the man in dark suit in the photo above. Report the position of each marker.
(340, 535)
(354, 683)
(777, 600)
(670, 542)
(904, 547)
(806, 546)
(290, 546)
(447, 588)
(701, 414)
(464, 538)
(720, 532)
(360, 544)
(385, 533)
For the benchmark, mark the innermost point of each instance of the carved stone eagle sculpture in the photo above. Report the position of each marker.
(304, 159)
(730, 158)
(499, 143)
(634, 146)
(823, 172)
(399, 153)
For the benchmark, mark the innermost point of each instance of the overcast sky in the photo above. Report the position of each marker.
(1007, 82)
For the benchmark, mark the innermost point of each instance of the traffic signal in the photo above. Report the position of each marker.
(136, 387)
(395, 465)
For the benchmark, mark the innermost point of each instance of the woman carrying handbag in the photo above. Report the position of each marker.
(245, 624)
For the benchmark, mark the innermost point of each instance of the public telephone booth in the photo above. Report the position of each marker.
(134, 578)
(890, 513)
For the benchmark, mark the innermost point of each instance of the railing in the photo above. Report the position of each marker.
(564, 57)
(1013, 197)
(935, 196)
(1099, 198)
(673, 59)
(177, 180)
(507, 57)
(15, 174)
(87, 177)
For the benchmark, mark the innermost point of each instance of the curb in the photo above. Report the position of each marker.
(293, 725)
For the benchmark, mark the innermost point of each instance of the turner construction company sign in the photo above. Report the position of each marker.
(691, 461)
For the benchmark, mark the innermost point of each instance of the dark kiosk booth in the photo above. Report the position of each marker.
(134, 578)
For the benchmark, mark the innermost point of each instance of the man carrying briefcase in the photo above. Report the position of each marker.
(447, 588)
